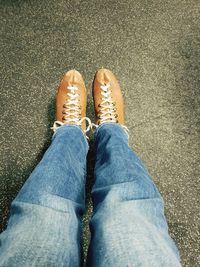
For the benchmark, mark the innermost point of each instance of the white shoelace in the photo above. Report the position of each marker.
(107, 108)
(72, 111)
(57, 124)
(107, 111)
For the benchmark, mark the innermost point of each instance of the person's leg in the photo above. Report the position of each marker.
(128, 226)
(44, 228)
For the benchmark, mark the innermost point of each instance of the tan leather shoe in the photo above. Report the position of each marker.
(71, 99)
(108, 99)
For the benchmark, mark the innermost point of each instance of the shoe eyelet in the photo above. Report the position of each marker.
(116, 115)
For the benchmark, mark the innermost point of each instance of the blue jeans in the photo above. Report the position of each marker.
(128, 226)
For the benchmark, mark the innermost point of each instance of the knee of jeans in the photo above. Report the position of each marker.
(129, 192)
(47, 200)
(31, 216)
(123, 213)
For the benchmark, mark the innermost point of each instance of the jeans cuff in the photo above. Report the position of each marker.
(111, 124)
(62, 127)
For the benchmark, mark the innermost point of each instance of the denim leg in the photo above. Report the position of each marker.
(128, 226)
(44, 228)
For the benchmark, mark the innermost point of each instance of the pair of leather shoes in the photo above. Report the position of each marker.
(71, 99)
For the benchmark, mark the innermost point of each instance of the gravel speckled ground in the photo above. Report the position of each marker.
(154, 49)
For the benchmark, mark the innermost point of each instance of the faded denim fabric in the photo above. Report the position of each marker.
(128, 225)
(44, 228)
